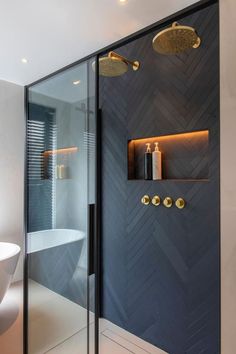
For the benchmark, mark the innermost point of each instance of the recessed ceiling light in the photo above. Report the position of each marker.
(123, 1)
(76, 82)
(24, 60)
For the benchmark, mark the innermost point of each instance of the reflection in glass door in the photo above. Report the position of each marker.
(61, 174)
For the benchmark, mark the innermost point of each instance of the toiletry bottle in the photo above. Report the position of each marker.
(148, 163)
(156, 163)
(62, 172)
(57, 171)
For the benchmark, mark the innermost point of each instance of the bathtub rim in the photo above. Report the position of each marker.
(81, 235)
(15, 250)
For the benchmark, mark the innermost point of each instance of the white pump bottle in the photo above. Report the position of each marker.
(156, 163)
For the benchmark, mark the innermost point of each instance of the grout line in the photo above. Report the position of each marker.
(127, 340)
(112, 340)
(65, 340)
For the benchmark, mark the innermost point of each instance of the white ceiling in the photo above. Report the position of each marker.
(54, 33)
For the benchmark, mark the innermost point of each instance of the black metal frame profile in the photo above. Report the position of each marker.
(25, 280)
(98, 223)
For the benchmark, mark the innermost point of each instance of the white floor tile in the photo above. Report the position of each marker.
(112, 340)
(77, 345)
(126, 339)
(11, 320)
(58, 326)
(52, 318)
(107, 346)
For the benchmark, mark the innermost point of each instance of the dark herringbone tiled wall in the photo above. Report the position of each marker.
(160, 266)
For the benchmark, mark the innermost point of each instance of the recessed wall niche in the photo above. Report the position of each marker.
(58, 163)
(184, 156)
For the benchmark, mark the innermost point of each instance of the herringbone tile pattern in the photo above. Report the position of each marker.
(160, 266)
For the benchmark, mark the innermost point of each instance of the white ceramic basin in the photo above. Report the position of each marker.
(9, 255)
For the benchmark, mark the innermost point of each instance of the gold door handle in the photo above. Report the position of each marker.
(167, 202)
(156, 200)
(180, 203)
(145, 200)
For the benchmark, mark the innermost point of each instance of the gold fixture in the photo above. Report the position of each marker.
(115, 65)
(180, 203)
(156, 200)
(146, 200)
(167, 202)
(176, 39)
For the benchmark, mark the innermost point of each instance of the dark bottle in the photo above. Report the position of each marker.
(148, 163)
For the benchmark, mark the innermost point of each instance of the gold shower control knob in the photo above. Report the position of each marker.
(156, 200)
(145, 200)
(167, 202)
(180, 203)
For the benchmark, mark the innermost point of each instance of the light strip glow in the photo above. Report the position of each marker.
(68, 150)
(190, 135)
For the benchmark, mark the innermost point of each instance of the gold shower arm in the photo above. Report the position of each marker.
(135, 64)
(174, 24)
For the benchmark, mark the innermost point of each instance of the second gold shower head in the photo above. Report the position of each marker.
(176, 39)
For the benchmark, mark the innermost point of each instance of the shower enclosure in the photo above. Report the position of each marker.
(61, 210)
(116, 263)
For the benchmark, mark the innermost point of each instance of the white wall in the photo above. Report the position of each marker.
(228, 173)
(12, 130)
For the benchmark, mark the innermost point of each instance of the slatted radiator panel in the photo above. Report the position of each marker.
(161, 266)
(41, 136)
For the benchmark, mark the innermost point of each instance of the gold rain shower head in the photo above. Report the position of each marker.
(115, 65)
(176, 39)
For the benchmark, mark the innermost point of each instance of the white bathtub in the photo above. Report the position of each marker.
(42, 240)
(9, 255)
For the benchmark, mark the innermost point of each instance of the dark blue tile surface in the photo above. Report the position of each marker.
(161, 267)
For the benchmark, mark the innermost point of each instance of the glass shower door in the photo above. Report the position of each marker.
(61, 198)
